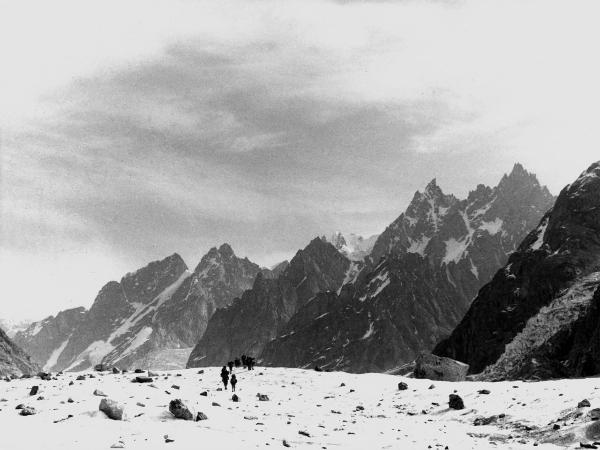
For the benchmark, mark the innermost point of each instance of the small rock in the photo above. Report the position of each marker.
(119, 444)
(152, 374)
(585, 403)
(200, 372)
(455, 402)
(304, 433)
(402, 386)
(250, 417)
(483, 392)
(432, 386)
(215, 404)
(34, 390)
(112, 409)
(142, 380)
(595, 414)
(115, 370)
(201, 416)
(175, 386)
(138, 371)
(80, 378)
(27, 411)
(263, 397)
(70, 400)
(485, 420)
(204, 394)
(179, 410)
(235, 398)
(285, 444)
(99, 393)
(140, 405)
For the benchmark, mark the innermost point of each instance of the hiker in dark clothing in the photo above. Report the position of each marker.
(237, 362)
(230, 365)
(233, 382)
(244, 361)
(249, 362)
(224, 376)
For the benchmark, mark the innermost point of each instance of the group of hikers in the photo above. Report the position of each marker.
(227, 376)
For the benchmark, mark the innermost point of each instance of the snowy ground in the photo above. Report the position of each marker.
(300, 400)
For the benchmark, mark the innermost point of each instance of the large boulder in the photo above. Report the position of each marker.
(112, 409)
(179, 410)
(440, 368)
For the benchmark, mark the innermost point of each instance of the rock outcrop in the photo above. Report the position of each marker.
(538, 317)
(13, 360)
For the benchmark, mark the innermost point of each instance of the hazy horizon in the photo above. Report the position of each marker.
(130, 131)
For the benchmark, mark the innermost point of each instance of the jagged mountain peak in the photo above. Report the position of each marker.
(173, 262)
(518, 178)
(351, 245)
(587, 180)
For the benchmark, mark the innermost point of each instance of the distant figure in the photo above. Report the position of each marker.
(237, 362)
(244, 361)
(249, 362)
(230, 365)
(233, 382)
(224, 376)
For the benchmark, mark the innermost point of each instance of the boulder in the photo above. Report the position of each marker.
(34, 390)
(263, 397)
(179, 410)
(402, 386)
(585, 403)
(201, 416)
(235, 398)
(440, 368)
(142, 380)
(455, 402)
(112, 409)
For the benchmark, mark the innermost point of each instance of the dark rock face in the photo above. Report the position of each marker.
(42, 338)
(418, 282)
(455, 402)
(262, 312)
(538, 317)
(131, 323)
(13, 360)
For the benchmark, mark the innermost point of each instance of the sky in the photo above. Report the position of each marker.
(130, 130)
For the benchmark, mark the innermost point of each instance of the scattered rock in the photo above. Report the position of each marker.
(250, 417)
(140, 405)
(483, 392)
(179, 410)
(285, 444)
(152, 374)
(485, 420)
(263, 397)
(175, 386)
(204, 394)
(99, 393)
(138, 371)
(115, 370)
(142, 380)
(34, 390)
(402, 386)
(119, 444)
(455, 402)
(215, 404)
(112, 409)
(27, 411)
(304, 433)
(235, 398)
(440, 368)
(585, 403)
(80, 378)
(595, 414)
(201, 416)
(70, 400)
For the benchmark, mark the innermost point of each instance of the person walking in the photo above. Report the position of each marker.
(225, 376)
(233, 382)
(230, 365)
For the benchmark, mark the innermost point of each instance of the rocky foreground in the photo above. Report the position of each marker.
(296, 409)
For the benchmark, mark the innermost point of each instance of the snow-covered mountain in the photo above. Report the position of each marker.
(261, 313)
(353, 246)
(12, 327)
(160, 306)
(418, 281)
(539, 315)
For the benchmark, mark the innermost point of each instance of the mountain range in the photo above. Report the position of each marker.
(345, 302)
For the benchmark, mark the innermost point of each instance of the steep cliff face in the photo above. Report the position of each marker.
(531, 307)
(261, 313)
(13, 360)
(419, 280)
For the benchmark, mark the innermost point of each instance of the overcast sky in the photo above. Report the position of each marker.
(132, 130)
